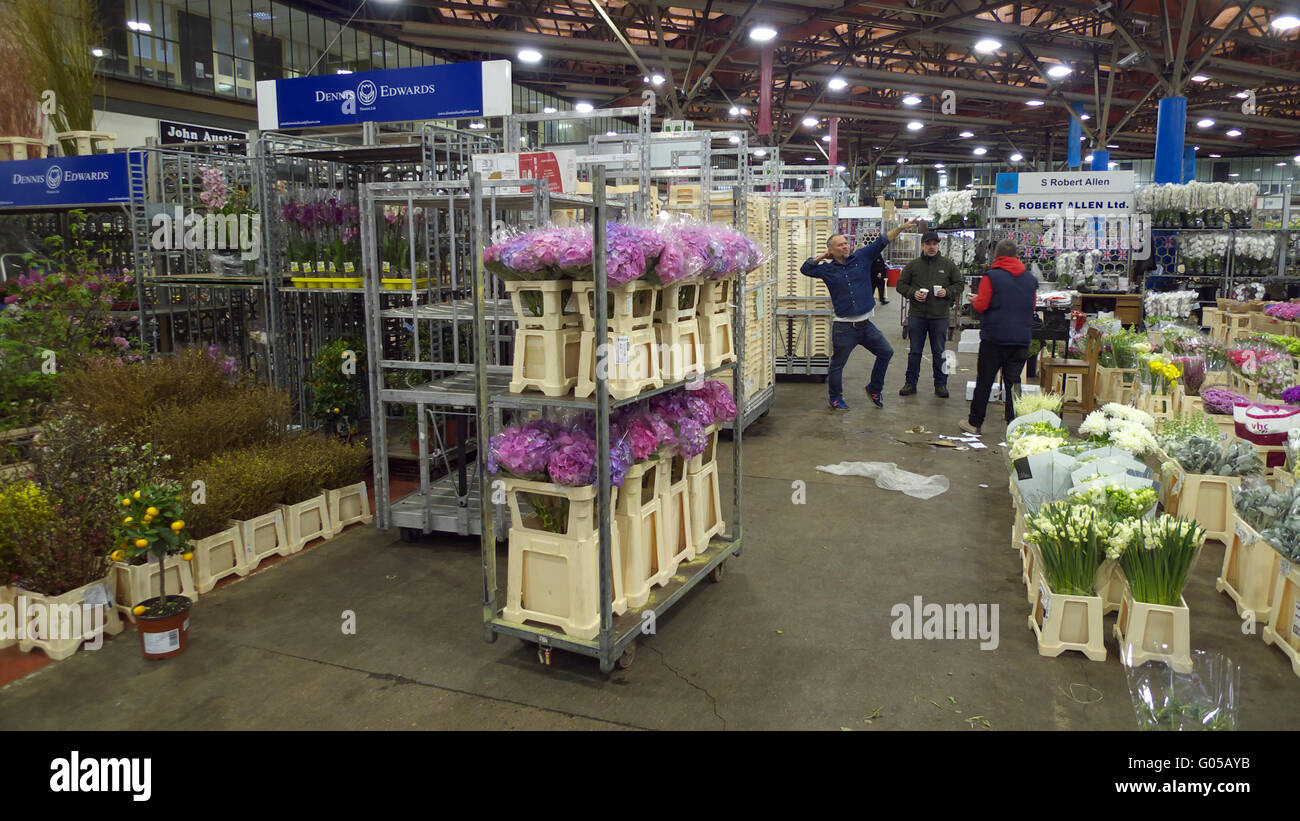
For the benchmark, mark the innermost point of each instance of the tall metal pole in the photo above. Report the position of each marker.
(487, 539)
(602, 410)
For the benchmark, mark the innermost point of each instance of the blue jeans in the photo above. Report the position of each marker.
(845, 338)
(918, 327)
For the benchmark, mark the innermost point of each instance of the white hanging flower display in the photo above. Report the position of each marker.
(950, 208)
(1199, 204)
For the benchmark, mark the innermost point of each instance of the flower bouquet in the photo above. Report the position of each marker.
(953, 209)
(1164, 374)
(1174, 430)
(1027, 403)
(1157, 557)
(1122, 426)
(1071, 540)
(1116, 499)
(1287, 311)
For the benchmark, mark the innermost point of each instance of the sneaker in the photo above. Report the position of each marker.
(941, 391)
(839, 405)
(968, 427)
(876, 400)
(884, 302)
(907, 390)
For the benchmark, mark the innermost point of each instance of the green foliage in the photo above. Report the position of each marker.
(55, 545)
(194, 432)
(336, 396)
(153, 524)
(26, 516)
(123, 395)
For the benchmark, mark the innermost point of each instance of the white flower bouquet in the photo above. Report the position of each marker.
(1072, 540)
(953, 209)
(1122, 426)
(1157, 556)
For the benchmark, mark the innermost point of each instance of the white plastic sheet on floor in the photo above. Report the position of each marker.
(889, 476)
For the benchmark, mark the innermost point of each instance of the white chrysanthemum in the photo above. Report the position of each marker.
(1034, 443)
(1134, 439)
(1095, 424)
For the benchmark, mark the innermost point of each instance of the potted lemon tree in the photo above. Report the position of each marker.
(153, 527)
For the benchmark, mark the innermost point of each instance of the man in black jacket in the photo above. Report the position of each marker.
(879, 276)
(933, 285)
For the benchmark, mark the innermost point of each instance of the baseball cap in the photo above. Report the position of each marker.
(930, 236)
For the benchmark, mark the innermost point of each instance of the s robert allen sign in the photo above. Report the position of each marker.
(393, 95)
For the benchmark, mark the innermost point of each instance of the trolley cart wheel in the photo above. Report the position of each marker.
(629, 656)
(409, 534)
(716, 574)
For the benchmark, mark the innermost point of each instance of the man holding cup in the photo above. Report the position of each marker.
(932, 284)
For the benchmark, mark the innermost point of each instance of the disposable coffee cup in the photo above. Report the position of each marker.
(922, 292)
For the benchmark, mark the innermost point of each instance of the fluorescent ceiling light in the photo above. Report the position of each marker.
(1279, 165)
(1216, 156)
(1034, 103)
(965, 135)
(1085, 116)
(744, 112)
(735, 111)
(584, 108)
(762, 34)
(810, 122)
(911, 99)
(478, 124)
(98, 52)
(530, 55)
(902, 160)
(1059, 71)
(1111, 164)
(136, 25)
(611, 133)
(733, 139)
(1242, 95)
(839, 168)
(1234, 175)
(1234, 132)
(809, 159)
(1016, 157)
(1200, 78)
(1286, 22)
(1204, 123)
(760, 152)
(826, 138)
(550, 109)
(1088, 158)
(980, 151)
(1112, 146)
(837, 84)
(657, 79)
(915, 125)
(263, 15)
(938, 165)
(987, 46)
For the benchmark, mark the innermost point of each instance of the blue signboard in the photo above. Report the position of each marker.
(445, 91)
(92, 179)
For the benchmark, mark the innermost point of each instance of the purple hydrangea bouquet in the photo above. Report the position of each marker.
(1287, 311)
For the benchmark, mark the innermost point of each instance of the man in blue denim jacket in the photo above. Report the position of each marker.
(848, 278)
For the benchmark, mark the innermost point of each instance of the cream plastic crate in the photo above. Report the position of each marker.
(697, 464)
(553, 578)
(135, 583)
(1208, 500)
(264, 536)
(716, 296)
(546, 361)
(87, 142)
(553, 298)
(677, 302)
(8, 639)
(642, 529)
(706, 506)
(1029, 564)
(1116, 385)
(716, 338)
(84, 614)
(1283, 628)
(633, 363)
(1062, 622)
(629, 307)
(21, 148)
(679, 543)
(681, 354)
(1249, 568)
(305, 521)
(348, 505)
(1154, 632)
(1110, 585)
(216, 557)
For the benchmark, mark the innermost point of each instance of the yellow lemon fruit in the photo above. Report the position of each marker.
(117, 555)
(138, 610)
(187, 556)
(151, 512)
(178, 526)
(126, 503)
(142, 543)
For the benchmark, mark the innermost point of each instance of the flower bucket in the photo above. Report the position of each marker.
(630, 307)
(1208, 500)
(216, 557)
(1110, 585)
(1154, 632)
(1249, 568)
(162, 637)
(1061, 622)
(264, 536)
(84, 614)
(1283, 628)
(679, 543)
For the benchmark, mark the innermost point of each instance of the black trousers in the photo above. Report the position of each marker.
(1010, 360)
(878, 282)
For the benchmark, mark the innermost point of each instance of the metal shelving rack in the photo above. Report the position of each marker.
(615, 643)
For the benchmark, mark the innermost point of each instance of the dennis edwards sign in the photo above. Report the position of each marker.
(84, 180)
(393, 95)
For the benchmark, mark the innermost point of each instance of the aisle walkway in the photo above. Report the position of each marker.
(797, 636)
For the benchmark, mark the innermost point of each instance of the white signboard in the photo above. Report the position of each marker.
(1068, 182)
(1038, 205)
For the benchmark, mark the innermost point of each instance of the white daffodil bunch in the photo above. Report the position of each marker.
(945, 205)
(1034, 443)
(1123, 533)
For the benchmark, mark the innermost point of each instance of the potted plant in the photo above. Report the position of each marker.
(153, 527)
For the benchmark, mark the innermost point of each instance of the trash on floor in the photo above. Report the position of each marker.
(889, 476)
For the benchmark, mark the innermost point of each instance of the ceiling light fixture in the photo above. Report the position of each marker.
(584, 108)
(1234, 175)
(1111, 164)
(734, 140)
(1286, 22)
(760, 152)
(965, 135)
(987, 46)
(1280, 165)
(734, 111)
(476, 124)
(550, 109)
(915, 125)
(1204, 123)
(343, 71)
(762, 34)
(810, 122)
(837, 84)
(1216, 156)
(744, 112)
(809, 159)
(902, 160)
(97, 52)
(1199, 78)
(1242, 95)
(826, 138)
(1085, 116)
(657, 79)
(611, 133)
(980, 151)
(136, 25)
(1234, 132)
(530, 55)
(911, 99)
(1088, 158)
(938, 165)
(1112, 145)
(1059, 71)
(1016, 157)
(1033, 103)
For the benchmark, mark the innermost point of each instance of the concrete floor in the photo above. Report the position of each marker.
(797, 636)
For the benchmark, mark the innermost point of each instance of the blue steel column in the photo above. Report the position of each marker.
(1189, 164)
(1072, 154)
(1171, 125)
(1100, 160)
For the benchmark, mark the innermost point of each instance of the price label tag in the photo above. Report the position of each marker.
(627, 305)
(294, 268)
(622, 348)
(1284, 568)
(349, 268)
(162, 642)
(96, 595)
(1047, 603)
(1295, 620)
(388, 268)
